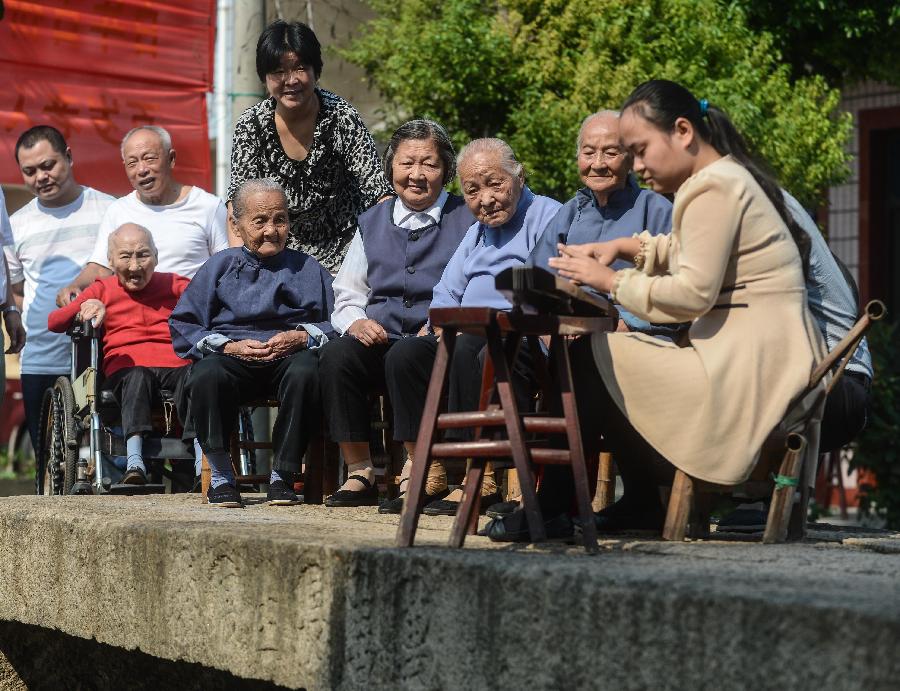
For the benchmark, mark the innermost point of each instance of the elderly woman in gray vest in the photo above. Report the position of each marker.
(383, 290)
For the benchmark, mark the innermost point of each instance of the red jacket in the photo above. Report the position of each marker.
(136, 327)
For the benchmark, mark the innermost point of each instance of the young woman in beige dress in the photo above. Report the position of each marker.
(734, 266)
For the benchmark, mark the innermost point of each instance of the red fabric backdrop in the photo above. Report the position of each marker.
(96, 68)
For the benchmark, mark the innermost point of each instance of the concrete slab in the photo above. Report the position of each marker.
(308, 597)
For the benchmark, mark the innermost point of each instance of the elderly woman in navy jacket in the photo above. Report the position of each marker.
(383, 290)
(252, 319)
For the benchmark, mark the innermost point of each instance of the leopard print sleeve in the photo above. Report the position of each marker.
(363, 163)
(246, 151)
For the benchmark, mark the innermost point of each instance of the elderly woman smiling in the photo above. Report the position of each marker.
(382, 294)
(252, 319)
(610, 205)
(510, 218)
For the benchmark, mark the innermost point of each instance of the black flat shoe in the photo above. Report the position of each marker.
(135, 476)
(442, 507)
(395, 506)
(281, 494)
(503, 508)
(344, 498)
(224, 497)
(514, 528)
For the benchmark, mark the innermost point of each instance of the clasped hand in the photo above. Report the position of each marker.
(587, 264)
(368, 332)
(279, 346)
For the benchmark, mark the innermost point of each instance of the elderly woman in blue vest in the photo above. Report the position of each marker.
(610, 205)
(510, 219)
(383, 290)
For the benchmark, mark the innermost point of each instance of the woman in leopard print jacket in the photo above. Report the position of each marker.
(311, 141)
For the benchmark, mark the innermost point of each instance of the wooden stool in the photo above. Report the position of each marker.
(504, 332)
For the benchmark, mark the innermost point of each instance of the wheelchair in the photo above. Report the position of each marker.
(79, 436)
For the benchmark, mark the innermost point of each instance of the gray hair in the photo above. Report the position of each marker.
(423, 129)
(508, 159)
(253, 186)
(164, 137)
(113, 236)
(589, 119)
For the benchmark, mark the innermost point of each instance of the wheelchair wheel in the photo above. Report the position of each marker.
(58, 455)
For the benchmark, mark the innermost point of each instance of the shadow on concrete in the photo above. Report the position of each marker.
(38, 658)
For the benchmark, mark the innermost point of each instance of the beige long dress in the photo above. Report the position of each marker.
(731, 267)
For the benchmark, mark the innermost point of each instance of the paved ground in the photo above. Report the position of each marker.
(317, 598)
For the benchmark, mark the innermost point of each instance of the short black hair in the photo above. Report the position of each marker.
(422, 129)
(33, 135)
(282, 37)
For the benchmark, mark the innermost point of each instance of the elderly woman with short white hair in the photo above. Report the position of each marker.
(509, 220)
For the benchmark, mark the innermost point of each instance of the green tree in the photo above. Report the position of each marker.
(530, 70)
(845, 41)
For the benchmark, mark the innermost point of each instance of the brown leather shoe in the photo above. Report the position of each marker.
(135, 476)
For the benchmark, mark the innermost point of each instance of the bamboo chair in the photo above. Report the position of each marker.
(690, 501)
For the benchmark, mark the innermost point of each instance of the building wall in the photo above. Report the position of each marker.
(843, 200)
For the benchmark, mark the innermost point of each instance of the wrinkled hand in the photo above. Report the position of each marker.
(287, 342)
(437, 330)
(67, 294)
(604, 252)
(92, 311)
(582, 269)
(248, 349)
(368, 332)
(16, 332)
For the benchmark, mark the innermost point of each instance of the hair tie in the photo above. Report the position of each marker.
(704, 104)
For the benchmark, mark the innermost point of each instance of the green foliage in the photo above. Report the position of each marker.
(531, 70)
(878, 447)
(842, 40)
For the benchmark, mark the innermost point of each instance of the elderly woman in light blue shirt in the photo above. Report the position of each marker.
(611, 205)
(510, 219)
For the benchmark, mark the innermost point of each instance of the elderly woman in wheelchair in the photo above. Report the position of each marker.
(252, 320)
(139, 366)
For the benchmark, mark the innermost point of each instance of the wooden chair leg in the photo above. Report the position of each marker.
(679, 510)
(313, 473)
(787, 481)
(415, 494)
(467, 513)
(576, 451)
(514, 429)
(205, 476)
(606, 482)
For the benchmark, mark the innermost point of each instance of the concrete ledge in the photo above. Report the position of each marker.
(306, 597)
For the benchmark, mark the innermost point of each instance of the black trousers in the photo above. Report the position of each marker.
(846, 411)
(408, 371)
(33, 388)
(136, 389)
(350, 372)
(641, 467)
(219, 384)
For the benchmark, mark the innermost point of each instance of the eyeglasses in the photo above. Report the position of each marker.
(284, 75)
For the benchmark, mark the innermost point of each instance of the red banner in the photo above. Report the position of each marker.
(96, 68)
